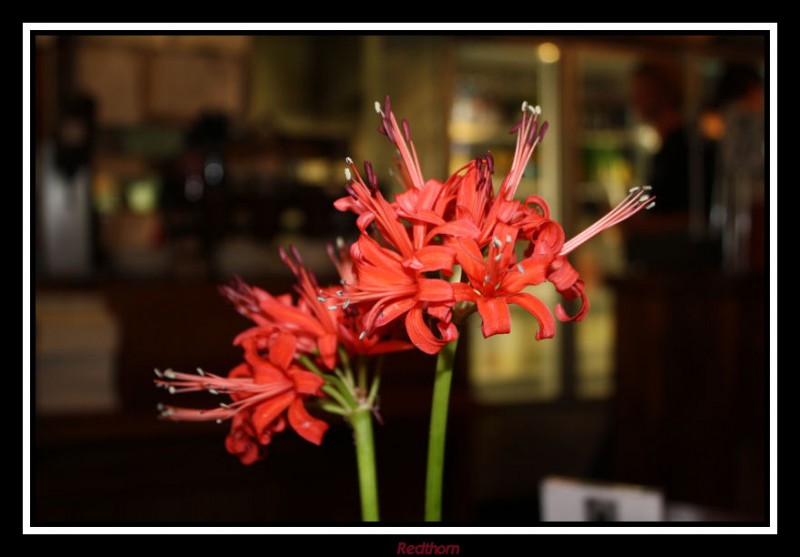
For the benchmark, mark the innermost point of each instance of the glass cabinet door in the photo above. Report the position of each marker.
(491, 80)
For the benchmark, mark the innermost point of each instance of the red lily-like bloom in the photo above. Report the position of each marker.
(498, 280)
(266, 392)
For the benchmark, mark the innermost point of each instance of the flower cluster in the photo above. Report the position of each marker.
(399, 289)
(288, 355)
(409, 248)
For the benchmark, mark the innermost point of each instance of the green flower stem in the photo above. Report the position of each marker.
(361, 420)
(438, 432)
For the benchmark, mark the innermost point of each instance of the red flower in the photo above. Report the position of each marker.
(498, 280)
(265, 393)
(399, 288)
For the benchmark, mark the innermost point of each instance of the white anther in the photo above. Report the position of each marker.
(378, 107)
(332, 308)
(169, 374)
(347, 175)
(200, 372)
(643, 198)
(650, 205)
(171, 389)
(498, 257)
(223, 405)
(537, 109)
(218, 420)
(524, 106)
(213, 391)
(508, 238)
(362, 335)
(634, 189)
(486, 279)
(497, 243)
(322, 299)
(160, 407)
(520, 268)
(158, 373)
(346, 304)
(647, 188)
(348, 160)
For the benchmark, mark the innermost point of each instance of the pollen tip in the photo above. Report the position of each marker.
(213, 391)
(362, 335)
(223, 405)
(169, 374)
(200, 372)
(378, 107)
(644, 198)
(498, 257)
(524, 106)
(647, 188)
(347, 175)
(497, 243)
(520, 268)
(171, 389)
(634, 189)
(348, 160)
(650, 205)
(218, 420)
(158, 373)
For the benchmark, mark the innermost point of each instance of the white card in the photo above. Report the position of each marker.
(574, 500)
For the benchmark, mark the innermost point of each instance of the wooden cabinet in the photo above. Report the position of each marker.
(691, 395)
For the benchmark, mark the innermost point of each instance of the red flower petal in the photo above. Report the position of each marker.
(432, 258)
(534, 306)
(327, 349)
(420, 334)
(392, 311)
(469, 256)
(464, 293)
(435, 290)
(495, 314)
(307, 426)
(306, 382)
(282, 350)
(266, 412)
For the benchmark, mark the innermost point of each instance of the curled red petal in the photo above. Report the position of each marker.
(495, 315)
(307, 426)
(534, 306)
(393, 310)
(577, 290)
(420, 334)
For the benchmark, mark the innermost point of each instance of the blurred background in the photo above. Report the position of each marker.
(164, 165)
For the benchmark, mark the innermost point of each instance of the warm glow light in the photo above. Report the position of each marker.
(142, 195)
(648, 138)
(549, 53)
